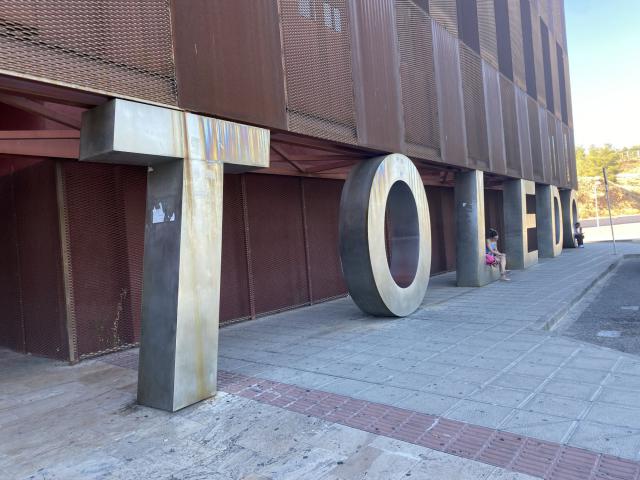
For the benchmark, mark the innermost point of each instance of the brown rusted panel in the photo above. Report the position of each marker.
(120, 47)
(229, 60)
(376, 75)
(510, 126)
(105, 211)
(322, 207)
(495, 130)
(41, 281)
(11, 320)
(527, 45)
(546, 61)
(234, 281)
(545, 144)
(417, 73)
(553, 148)
(450, 106)
(474, 108)
(276, 240)
(524, 134)
(443, 244)
(493, 213)
(555, 77)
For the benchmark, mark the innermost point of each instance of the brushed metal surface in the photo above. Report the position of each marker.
(570, 216)
(517, 224)
(183, 234)
(549, 221)
(370, 191)
(471, 267)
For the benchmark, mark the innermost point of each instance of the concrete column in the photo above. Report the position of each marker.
(471, 269)
(187, 155)
(520, 224)
(549, 221)
(569, 217)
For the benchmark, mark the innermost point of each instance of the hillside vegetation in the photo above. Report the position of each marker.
(623, 169)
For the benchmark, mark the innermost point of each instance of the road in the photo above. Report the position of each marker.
(612, 319)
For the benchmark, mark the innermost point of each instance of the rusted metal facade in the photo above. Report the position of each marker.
(453, 84)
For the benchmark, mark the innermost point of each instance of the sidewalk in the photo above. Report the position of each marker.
(470, 386)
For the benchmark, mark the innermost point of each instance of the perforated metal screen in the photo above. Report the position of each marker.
(487, 30)
(121, 47)
(445, 13)
(105, 211)
(419, 96)
(474, 108)
(317, 58)
(510, 125)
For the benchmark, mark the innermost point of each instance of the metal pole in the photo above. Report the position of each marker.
(595, 196)
(606, 189)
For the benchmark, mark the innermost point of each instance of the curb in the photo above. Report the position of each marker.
(550, 323)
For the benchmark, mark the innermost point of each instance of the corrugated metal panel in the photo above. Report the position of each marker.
(545, 144)
(536, 146)
(317, 57)
(468, 24)
(495, 130)
(235, 290)
(537, 56)
(524, 134)
(452, 129)
(277, 243)
(517, 49)
(376, 75)
(487, 30)
(120, 47)
(223, 70)
(510, 125)
(417, 73)
(445, 13)
(322, 209)
(474, 108)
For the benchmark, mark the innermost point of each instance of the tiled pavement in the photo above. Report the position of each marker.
(475, 364)
(480, 357)
(61, 422)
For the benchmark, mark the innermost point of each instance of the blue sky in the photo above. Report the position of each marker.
(603, 39)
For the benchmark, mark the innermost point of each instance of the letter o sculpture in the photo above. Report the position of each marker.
(569, 216)
(386, 270)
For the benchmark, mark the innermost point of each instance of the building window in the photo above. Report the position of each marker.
(304, 7)
(337, 20)
(328, 15)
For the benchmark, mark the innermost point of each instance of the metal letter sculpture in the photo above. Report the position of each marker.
(386, 269)
(569, 217)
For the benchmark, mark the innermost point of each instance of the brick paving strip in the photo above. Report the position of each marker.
(518, 453)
